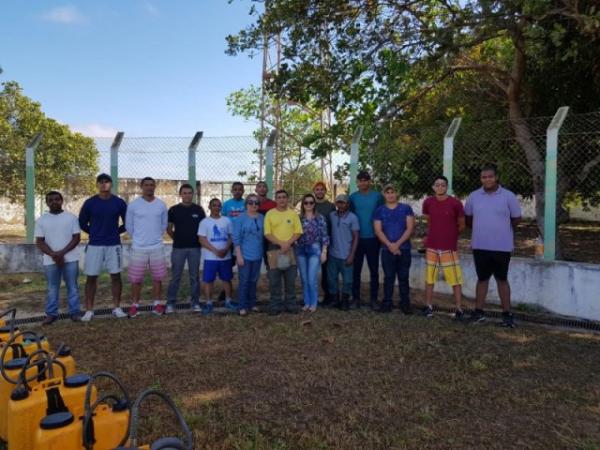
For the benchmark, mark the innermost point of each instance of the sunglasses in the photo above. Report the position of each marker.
(253, 202)
(309, 203)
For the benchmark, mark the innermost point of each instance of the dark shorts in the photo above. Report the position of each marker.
(491, 262)
(212, 268)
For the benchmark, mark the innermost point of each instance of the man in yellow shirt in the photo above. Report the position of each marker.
(282, 229)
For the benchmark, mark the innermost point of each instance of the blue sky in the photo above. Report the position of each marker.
(146, 67)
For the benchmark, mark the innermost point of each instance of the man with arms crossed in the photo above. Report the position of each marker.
(445, 221)
(184, 220)
(99, 218)
(363, 203)
(325, 208)
(57, 235)
(493, 212)
(282, 229)
(146, 222)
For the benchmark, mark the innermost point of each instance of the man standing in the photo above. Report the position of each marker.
(493, 212)
(235, 205)
(325, 208)
(215, 236)
(99, 218)
(445, 218)
(282, 229)
(266, 204)
(344, 240)
(146, 222)
(183, 222)
(363, 203)
(394, 223)
(57, 235)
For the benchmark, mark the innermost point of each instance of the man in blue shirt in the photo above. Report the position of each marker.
(363, 203)
(236, 205)
(99, 218)
(394, 223)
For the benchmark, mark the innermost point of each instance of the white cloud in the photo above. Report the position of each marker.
(151, 9)
(94, 130)
(64, 14)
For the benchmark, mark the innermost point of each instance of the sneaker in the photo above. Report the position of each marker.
(427, 311)
(406, 310)
(243, 312)
(208, 309)
(89, 314)
(477, 316)
(255, 309)
(459, 315)
(170, 309)
(133, 311)
(507, 320)
(49, 320)
(230, 304)
(119, 313)
(385, 308)
(76, 317)
(196, 308)
(159, 308)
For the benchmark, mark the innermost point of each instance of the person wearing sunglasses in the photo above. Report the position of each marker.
(248, 231)
(311, 250)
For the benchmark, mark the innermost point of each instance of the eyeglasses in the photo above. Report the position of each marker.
(309, 203)
(253, 202)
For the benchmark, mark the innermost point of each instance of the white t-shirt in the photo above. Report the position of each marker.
(146, 223)
(58, 230)
(217, 231)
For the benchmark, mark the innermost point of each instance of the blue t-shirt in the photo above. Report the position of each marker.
(248, 235)
(364, 205)
(393, 222)
(100, 219)
(232, 208)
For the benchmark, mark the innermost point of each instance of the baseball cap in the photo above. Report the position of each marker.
(342, 198)
(389, 186)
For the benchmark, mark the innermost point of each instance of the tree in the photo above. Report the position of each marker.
(64, 160)
(295, 168)
(384, 58)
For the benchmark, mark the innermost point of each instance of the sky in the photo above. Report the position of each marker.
(145, 67)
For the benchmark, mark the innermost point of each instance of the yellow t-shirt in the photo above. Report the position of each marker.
(282, 224)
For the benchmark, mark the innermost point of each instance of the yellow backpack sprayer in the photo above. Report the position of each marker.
(28, 405)
(167, 443)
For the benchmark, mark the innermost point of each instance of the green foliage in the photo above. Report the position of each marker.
(64, 160)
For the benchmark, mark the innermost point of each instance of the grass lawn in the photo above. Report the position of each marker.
(353, 380)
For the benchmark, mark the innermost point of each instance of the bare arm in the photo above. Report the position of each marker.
(461, 224)
(350, 258)
(515, 221)
(410, 226)
(380, 234)
(170, 230)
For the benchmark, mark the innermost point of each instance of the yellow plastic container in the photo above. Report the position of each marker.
(64, 431)
(27, 407)
(12, 370)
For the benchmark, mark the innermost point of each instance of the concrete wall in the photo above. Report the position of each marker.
(565, 288)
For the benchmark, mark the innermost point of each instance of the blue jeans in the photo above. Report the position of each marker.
(369, 248)
(335, 267)
(308, 258)
(248, 275)
(396, 266)
(178, 259)
(54, 274)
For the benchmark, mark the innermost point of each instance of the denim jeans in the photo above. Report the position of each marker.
(368, 247)
(308, 258)
(248, 275)
(178, 258)
(69, 272)
(396, 266)
(335, 267)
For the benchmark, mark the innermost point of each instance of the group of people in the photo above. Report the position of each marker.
(333, 238)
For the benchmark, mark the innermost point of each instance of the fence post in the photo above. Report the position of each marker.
(30, 186)
(269, 160)
(354, 147)
(114, 161)
(551, 182)
(192, 158)
(449, 150)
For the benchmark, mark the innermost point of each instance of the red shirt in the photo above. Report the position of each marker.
(442, 233)
(266, 205)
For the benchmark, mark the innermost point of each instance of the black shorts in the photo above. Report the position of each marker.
(491, 262)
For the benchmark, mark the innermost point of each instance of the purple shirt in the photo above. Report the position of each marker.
(492, 212)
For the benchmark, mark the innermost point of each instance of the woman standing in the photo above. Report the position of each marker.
(311, 250)
(248, 232)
